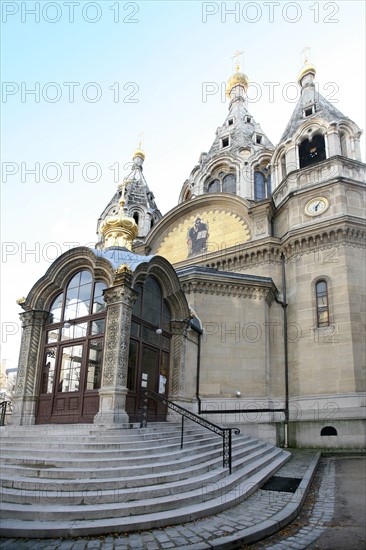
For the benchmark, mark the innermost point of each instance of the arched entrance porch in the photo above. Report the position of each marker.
(149, 353)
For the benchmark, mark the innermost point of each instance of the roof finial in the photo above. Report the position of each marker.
(305, 55)
(307, 69)
(236, 56)
(138, 155)
(141, 140)
(238, 83)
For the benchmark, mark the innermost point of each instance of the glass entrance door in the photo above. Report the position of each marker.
(67, 404)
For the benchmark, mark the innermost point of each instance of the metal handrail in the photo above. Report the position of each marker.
(3, 406)
(225, 433)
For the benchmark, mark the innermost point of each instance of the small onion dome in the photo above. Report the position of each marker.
(138, 153)
(307, 69)
(237, 79)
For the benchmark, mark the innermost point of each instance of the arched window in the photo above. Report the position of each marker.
(224, 182)
(187, 195)
(151, 310)
(136, 217)
(259, 186)
(322, 305)
(328, 430)
(229, 184)
(72, 360)
(311, 152)
(262, 184)
(214, 186)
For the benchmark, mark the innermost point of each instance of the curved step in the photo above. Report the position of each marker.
(127, 491)
(112, 482)
(75, 527)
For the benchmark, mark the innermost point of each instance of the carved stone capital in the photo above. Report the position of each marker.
(120, 294)
(178, 326)
(33, 317)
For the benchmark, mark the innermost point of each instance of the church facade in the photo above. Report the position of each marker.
(244, 303)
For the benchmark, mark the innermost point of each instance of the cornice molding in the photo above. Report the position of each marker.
(222, 284)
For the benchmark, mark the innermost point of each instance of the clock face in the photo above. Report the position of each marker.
(316, 206)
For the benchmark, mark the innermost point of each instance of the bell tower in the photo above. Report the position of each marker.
(132, 201)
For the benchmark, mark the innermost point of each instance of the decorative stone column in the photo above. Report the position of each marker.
(291, 158)
(120, 299)
(357, 147)
(26, 389)
(177, 374)
(178, 329)
(334, 144)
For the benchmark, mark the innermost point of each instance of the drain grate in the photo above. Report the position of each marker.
(282, 484)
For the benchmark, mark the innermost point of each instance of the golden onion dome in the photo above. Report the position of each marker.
(307, 69)
(237, 79)
(139, 153)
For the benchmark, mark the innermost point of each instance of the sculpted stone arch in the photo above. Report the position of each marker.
(174, 297)
(163, 272)
(310, 128)
(62, 268)
(279, 166)
(35, 318)
(224, 164)
(349, 139)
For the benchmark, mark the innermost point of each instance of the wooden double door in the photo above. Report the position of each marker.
(69, 383)
(148, 369)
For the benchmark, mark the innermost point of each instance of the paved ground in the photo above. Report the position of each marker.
(332, 518)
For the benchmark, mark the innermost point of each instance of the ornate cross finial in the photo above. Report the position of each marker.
(141, 140)
(305, 52)
(122, 187)
(236, 57)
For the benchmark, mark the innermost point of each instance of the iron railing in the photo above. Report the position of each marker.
(225, 433)
(3, 407)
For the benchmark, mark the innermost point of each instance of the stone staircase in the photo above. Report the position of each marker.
(79, 480)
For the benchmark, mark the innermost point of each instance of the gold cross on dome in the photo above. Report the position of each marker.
(141, 140)
(305, 52)
(236, 57)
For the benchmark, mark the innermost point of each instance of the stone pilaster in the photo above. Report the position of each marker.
(120, 299)
(357, 147)
(178, 329)
(26, 389)
(291, 159)
(334, 145)
(261, 217)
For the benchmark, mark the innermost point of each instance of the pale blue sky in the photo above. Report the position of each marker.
(167, 55)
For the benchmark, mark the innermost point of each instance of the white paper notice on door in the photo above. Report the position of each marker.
(162, 382)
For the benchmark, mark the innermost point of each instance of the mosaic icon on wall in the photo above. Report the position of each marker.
(197, 237)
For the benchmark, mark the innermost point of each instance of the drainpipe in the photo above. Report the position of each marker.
(284, 305)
